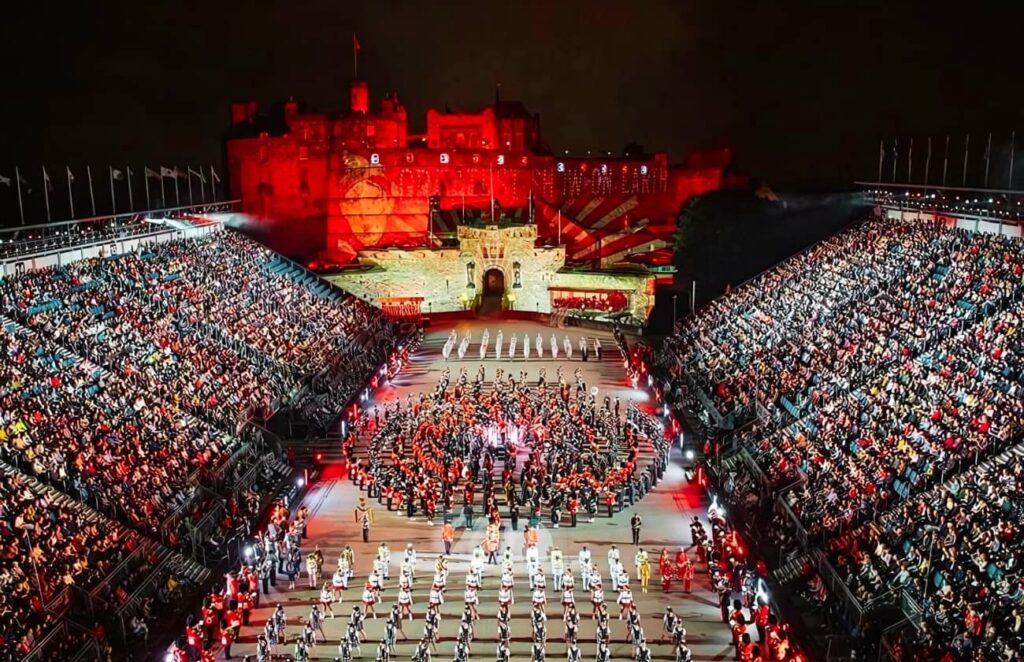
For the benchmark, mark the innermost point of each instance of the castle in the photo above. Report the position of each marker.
(378, 185)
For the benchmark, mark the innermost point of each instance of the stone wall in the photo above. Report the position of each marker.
(443, 276)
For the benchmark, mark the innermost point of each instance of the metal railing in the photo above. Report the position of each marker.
(27, 240)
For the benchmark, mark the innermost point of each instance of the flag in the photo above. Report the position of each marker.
(5, 180)
(71, 177)
(197, 173)
(167, 172)
(117, 174)
(152, 173)
(355, 42)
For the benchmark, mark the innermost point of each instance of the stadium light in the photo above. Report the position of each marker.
(689, 453)
(299, 482)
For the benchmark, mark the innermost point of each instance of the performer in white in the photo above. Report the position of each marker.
(497, 345)
(483, 343)
(512, 347)
(540, 346)
(585, 567)
(532, 561)
(613, 567)
(463, 346)
(557, 568)
(554, 346)
(526, 346)
(567, 344)
(448, 345)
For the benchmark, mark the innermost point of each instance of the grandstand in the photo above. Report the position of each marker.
(866, 399)
(142, 357)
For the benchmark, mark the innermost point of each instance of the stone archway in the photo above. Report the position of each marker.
(494, 282)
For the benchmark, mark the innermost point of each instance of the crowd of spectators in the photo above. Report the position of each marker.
(885, 361)
(47, 547)
(842, 312)
(127, 380)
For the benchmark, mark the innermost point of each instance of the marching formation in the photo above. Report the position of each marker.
(531, 348)
(562, 450)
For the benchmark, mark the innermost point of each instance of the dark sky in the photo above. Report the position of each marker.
(802, 91)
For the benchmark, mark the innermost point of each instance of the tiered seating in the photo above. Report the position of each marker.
(809, 329)
(126, 381)
(916, 422)
(50, 537)
(99, 436)
(890, 359)
(957, 550)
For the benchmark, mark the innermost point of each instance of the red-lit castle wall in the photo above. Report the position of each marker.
(373, 183)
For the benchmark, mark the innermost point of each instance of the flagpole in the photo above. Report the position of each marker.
(128, 174)
(988, 156)
(927, 164)
(188, 173)
(881, 157)
(71, 195)
(113, 198)
(559, 226)
(145, 181)
(46, 193)
(967, 146)
(163, 195)
(910, 162)
(945, 161)
(213, 185)
(1009, 175)
(92, 198)
(895, 157)
(21, 208)
(177, 196)
(202, 184)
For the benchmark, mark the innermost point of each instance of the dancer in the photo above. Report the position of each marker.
(497, 345)
(512, 347)
(526, 346)
(567, 344)
(554, 346)
(539, 343)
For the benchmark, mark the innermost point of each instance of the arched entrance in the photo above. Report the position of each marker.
(494, 282)
(494, 291)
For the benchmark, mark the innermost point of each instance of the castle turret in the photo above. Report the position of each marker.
(359, 97)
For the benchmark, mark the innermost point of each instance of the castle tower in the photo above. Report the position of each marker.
(359, 97)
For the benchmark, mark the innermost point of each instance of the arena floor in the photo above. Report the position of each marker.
(666, 513)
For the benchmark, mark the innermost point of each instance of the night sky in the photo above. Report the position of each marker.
(802, 91)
